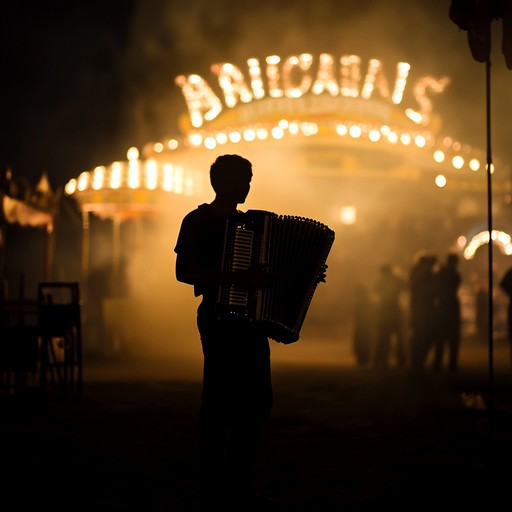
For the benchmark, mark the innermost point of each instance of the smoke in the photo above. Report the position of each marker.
(157, 317)
(165, 39)
(171, 38)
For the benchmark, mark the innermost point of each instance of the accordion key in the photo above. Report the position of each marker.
(293, 250)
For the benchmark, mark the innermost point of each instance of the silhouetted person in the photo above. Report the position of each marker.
(390, 334)
(362, 334)
(506, 286)
(482, 310)
(237, 387)
(424, 309)
(98, 289)
(449, 280)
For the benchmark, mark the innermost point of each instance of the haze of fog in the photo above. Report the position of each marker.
(121, 93)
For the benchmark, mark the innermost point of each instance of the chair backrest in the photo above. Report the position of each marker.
(59, 307)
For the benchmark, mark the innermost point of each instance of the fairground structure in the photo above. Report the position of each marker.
(354, 144)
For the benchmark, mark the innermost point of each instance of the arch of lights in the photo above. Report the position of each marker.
(500, 238)
(293, 99)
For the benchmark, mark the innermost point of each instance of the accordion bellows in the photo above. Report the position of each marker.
(294, 250)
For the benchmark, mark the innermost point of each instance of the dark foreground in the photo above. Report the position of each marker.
(341, 438)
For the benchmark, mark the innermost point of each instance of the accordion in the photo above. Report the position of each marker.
(293, 250)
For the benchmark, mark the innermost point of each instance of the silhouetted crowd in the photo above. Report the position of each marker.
(410, 319)
(415, 319)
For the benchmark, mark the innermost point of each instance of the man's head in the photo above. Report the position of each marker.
(230, 176)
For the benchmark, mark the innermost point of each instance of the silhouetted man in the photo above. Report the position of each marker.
(424, 309)
(390, 334)
(449, 281)
(237, 388)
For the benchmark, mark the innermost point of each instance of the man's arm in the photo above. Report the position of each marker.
(190, 271)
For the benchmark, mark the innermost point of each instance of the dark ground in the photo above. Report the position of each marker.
(340, 438)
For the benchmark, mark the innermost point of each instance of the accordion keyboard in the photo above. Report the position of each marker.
(242, 257)
(242, 249)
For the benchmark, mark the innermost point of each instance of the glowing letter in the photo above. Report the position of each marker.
(232, 83)
(420, 94)
(375, 79)
(402, 71)
(202, 102)
(303, 64)
(273, 76)
(256, 80)
(325, 78)
(350, 75)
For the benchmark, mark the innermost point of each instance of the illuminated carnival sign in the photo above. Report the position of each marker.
(294, 98)
(299, 76)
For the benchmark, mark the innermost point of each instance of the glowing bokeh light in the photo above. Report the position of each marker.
(440, 180)
(458, 162)
(348, 215)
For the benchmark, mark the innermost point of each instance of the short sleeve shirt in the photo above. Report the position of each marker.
(201, 236)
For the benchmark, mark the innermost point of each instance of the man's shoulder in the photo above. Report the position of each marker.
(202, 211)
(202, 208)
(193, 226)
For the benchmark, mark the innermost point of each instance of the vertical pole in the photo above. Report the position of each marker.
(49, 251)
(116, 252)
(116, 265)
(490, 229)
(85, 252)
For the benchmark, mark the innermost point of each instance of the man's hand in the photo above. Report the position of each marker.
(255, 278)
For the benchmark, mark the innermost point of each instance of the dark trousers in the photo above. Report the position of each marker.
(390, 340)
(449, 338)
(236, 399)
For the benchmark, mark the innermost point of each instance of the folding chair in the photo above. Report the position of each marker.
(60, 333)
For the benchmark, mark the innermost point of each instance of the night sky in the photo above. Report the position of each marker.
(62, 81)
(84, 81)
